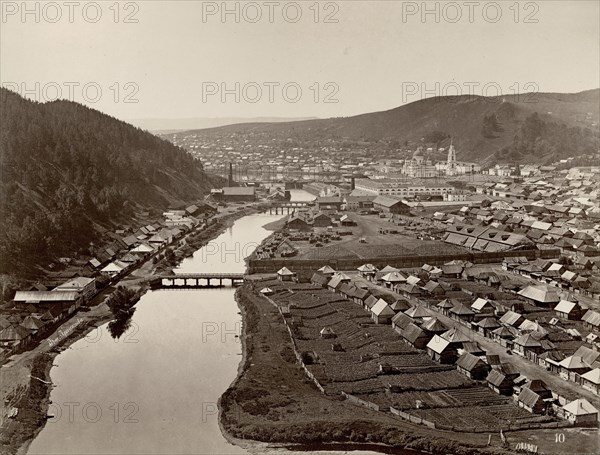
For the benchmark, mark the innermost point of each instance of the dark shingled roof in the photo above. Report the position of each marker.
(468, 361)
(528, 397)
(495, 378)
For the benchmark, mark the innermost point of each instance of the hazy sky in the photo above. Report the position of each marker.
(175, 58)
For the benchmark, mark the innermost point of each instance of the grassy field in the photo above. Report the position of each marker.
(377, 245)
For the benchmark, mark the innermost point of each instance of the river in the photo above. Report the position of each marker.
(155, 389)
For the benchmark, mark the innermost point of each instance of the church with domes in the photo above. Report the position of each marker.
(419, 167)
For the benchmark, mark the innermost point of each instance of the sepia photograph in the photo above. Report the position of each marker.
(350, 227)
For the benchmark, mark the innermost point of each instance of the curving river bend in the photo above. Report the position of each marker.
(155, 389)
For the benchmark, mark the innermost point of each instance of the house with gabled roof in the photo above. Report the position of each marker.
(337, 280)
(566, 309)
(580, 412)
(370, 302)
(591, 380)
(472, 366)
(511, 318)
(591, 320)
(415, 336)
(318, 279)
(401, 321)
(531, 401)
(528, 346)
(482, 306)
(499, 382)
(360, 296)
(572, 366)
(381, 312)
(441, 350)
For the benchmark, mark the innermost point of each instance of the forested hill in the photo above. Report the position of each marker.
(69, 173)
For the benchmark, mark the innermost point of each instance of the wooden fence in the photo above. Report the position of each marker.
(298, 265)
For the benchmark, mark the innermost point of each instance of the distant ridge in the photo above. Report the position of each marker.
(165, 126)
(480, 126)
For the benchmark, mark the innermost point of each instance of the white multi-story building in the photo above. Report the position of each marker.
(401, 189)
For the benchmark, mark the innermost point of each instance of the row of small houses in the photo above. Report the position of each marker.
(38, 311)
(137, 251)
(417, 327)
(527, 338)
(128, 247)
(578, 278)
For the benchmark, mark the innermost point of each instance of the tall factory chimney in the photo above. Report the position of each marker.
(230, 179)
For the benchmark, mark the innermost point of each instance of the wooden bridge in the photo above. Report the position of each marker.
(195, 280)
(290, 206)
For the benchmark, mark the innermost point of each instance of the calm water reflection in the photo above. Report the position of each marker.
(155, 390)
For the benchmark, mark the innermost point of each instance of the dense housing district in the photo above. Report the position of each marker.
(423, 310)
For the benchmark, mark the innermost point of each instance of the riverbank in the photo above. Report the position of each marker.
(272, 401)
(34, 403)
(32, 395)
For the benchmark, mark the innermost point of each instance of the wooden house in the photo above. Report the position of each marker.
(591, 320)
(591, 380)
(285, 274)
(472, 366)
(381, 312)
(441, 350)
(499, 382)
(531, 401)
(415, 336)
(568, 310)
(580, 412)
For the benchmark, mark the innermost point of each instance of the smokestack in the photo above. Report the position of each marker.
(230, 179)
(353, 183)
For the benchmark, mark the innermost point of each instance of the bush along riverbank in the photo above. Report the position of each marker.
(273, 401)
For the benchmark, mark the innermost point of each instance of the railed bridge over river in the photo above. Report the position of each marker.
(196, 280)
